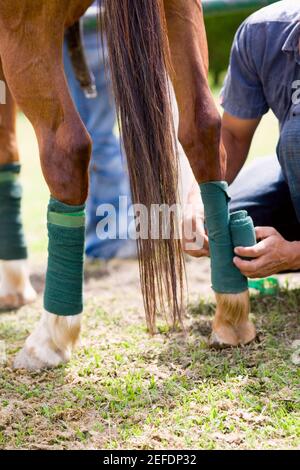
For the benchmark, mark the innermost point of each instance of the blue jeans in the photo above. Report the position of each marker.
(108, 177)
(288, 151)
(262, 190)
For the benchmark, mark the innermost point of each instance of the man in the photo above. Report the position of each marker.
(263, 73)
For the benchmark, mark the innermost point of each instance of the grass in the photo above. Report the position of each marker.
(123, 389)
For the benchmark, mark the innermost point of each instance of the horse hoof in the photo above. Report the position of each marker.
(15, 301)
(215, 342)
(222, 338)
(246, 333)
(229, 337)
(31, 359)
(26, 359)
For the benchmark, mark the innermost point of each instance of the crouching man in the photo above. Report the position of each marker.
(264, 73)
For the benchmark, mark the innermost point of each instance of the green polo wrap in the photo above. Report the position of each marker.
(64, 279)
(12, 240)
(242, 229)
(224, 235)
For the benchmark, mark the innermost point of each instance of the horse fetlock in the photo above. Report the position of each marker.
(15, 286)
(64, 330)
(51, 343)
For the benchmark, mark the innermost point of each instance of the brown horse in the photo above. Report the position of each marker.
(149, 41)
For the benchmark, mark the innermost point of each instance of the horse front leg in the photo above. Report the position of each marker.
(33, 67)
(15, 287)
(199, 134)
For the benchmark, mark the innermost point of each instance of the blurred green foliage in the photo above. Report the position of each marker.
(222, 19)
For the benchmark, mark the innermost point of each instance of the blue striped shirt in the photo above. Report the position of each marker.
(265, 63)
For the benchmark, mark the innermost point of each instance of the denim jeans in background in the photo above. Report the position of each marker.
(108, 176)
(261, 189)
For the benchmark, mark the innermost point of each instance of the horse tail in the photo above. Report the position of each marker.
(139, 62)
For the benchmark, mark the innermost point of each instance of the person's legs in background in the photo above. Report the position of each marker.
(108, 175)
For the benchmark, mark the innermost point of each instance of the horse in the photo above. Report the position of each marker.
(151, 43)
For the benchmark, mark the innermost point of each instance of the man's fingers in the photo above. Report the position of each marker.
(197, 253)
(197, 250)
(250, 268)
(243, 265)
(252, 251)
(264, 232)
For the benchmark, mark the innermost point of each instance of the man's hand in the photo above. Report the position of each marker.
(194, 238)
(271, 255)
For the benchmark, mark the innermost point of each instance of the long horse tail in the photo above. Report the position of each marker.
(139, 61)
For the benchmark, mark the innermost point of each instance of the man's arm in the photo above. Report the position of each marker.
(237, 136)
(272, 254)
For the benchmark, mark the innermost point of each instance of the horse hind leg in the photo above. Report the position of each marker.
(40, 89)
(15, 287)
(199, 134)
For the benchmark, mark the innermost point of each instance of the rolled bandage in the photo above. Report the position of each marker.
(242, 229)
(12, 240)
(226, 278)
(64, 279)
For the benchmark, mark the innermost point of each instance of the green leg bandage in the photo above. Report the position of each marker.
(12, 240)
(225, 234)
(64, 279)
(242, 229)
